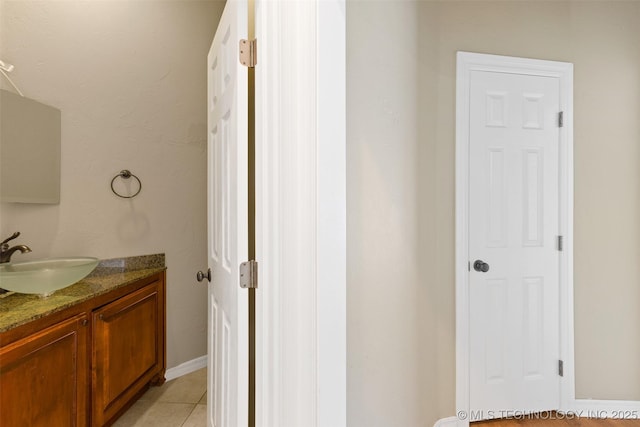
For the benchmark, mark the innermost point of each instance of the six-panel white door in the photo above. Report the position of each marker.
(513, 227)
(227, 221)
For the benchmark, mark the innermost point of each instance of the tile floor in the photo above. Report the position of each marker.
(178, 403)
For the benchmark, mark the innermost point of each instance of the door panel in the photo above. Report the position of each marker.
(513, 223)
(227, 221)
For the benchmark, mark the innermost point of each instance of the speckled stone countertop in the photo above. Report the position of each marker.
(17, 309)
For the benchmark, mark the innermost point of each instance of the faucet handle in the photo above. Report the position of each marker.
(8, 239)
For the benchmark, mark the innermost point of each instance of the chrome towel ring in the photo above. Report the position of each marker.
(126, 174)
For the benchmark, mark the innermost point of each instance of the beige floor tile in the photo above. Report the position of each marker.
(203, 401)
(198, 417)
(145, 413)
(186, 389)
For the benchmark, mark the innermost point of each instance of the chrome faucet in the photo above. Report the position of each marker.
(6, 251)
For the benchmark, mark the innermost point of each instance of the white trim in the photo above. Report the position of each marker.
(331, 214)
(269, 388)
(447, 422)
(467, 62)
(301, 214)
(186, 368)
(621, 409)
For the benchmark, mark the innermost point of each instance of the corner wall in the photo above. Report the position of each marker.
(401, 183)
(601, 40)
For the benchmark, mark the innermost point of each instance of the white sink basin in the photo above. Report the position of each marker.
(44, 276)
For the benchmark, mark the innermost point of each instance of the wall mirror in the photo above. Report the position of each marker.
(29, 150)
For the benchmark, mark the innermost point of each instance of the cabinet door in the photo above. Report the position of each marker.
(44, 377)
(128, 350)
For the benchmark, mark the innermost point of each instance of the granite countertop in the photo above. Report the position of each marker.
(17, 309)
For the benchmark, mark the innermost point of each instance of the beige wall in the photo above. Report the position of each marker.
(391, 311)
(130, 80)
(393, 153)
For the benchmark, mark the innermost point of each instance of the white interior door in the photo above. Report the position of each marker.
(227, 221)
(513, 228)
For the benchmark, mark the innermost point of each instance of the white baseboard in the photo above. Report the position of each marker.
(622, 409)
(583, 408)
(186, 368)
(447, 422)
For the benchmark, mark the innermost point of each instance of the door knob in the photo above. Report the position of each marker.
(201, 276)
(481, 266)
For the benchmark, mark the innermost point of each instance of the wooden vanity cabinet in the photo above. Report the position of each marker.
(128, 350)
(44, 377)
(85, 365)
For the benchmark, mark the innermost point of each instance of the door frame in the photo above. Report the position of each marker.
(301, 354)
(466, 63)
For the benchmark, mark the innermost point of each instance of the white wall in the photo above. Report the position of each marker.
(130, 79)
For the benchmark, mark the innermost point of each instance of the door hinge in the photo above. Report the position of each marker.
(561, 368)
(561, 119)
(249, 275)
(249, 52)
(560, 243)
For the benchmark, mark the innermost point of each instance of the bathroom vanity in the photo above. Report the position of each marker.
(82, 356)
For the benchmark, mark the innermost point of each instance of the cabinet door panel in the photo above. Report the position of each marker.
(127, 350)
(132, 344)
(43, 378)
